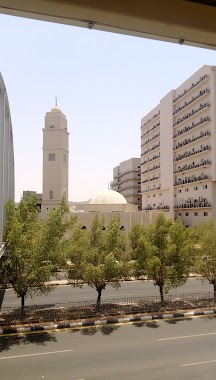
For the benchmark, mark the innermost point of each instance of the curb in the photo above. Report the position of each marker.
(101, 322)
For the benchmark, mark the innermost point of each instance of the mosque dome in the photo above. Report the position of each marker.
(108, 197)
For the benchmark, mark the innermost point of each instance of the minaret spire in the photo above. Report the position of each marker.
(56, 101)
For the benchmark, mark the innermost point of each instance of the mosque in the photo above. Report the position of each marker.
(55, 181)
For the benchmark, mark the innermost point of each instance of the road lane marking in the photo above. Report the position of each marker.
(197, 363)
(185, 336)
(39, 353)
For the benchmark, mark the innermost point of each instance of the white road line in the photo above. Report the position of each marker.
(39, 353)
(190, 364)
(185, 336)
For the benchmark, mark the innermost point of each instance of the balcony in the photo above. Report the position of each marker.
(193, 203)
(149, 140)
(148, 208)
(181, 144)
(190, 127)
(193, 99)
(192, 179)
(192, 113)
(155, 157)
(154, 178)
(202, 78)
(191, 153)
(151, 149)
(192, 166)
(151, 129)
(155, 167)
(149, 120)
(152, 189)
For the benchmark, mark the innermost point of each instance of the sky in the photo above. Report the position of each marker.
(105, 83)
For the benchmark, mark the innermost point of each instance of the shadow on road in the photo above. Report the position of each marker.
(40, 339)
(151, 324)
(90, 331)
(175, 321)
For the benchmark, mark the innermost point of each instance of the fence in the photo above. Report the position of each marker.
(107, 307)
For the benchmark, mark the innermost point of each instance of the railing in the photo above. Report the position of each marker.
(150, 150)
(202, 78)
(193, 205)
(193, 99)
(191, 166)
(181, 144)
(150, 129)
(151, 139)
(192, 179)
(155, 167)
(107, 307)
(187, 154)
(155, 156)
(149, 120)
(193, 125)
(192, 113)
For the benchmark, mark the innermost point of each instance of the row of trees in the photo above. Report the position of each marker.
(165, 251)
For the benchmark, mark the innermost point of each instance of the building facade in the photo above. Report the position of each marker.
(6, 155)
(127, 181)
(178, 151)
(55, 160)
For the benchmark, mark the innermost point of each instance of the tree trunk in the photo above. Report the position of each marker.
(161, 294)
(214, 284)
(22, 306)
(99, 299)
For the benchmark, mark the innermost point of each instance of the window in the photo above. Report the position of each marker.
(196, 214)
(180, 214)
(205, 186)
(51, 194)
(179, 191)
(205, 214)
(160, 194)
(187, 214)
(153, 195)
(186, 190)
(195, 188)
(65, 158)
(51, 157)
(148, 196)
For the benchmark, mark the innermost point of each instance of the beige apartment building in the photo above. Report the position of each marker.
(127, 181)
(178, 150)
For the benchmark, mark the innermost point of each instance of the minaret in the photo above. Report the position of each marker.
(55, 160)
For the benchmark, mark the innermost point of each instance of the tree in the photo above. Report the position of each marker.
(205, 248)
(163, 253)
(33, 246)
(98, 257)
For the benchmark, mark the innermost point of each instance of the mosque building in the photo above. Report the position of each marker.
(55, 181)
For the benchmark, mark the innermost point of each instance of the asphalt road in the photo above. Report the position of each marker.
(165, 350)
(128, 289)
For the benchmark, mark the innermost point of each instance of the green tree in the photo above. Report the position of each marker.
(34, 246)
(163, 253)
(99, 257)
(205, 248)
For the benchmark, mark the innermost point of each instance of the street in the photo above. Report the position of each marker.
(128, 289)
(158, 350)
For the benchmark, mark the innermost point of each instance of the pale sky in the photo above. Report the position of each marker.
(105, 84)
